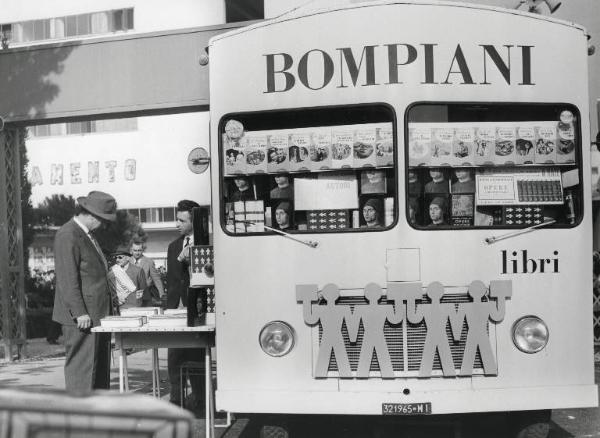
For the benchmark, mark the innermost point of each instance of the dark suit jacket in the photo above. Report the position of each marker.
(81, 277)
(178, 275)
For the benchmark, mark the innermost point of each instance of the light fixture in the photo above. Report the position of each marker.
(276, 338)
(533, 5)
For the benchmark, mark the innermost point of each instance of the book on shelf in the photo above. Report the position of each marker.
(565, 145)
(419, 144)
(202, 266)
(524, 145)
(299, 144)
(384, 144)
(545, 142)
(342, 143)
(462, 210)
(365, 138)
(256, 152)
(140, 311)
(463, 146)
(442, 138)
(320, 149)
(278, 152)
(504, 150)
(122, 321)
(255, 216)
(485, 143)
(169, 320)
(234, 154)
(327, 220)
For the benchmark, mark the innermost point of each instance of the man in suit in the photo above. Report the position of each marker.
(127, 279)
(178, 282)
(82, 295)
(154, 287)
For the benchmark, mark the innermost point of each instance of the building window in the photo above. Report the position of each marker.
(244, 10)
(96, 23)
(85, 127)
(153, 215)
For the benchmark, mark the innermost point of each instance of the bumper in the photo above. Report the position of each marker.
(443, 402)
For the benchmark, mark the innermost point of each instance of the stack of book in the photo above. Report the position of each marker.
(140, 311)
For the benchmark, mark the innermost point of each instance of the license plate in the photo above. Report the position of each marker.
(406, 408)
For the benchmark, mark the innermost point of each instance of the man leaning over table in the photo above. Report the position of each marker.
(178, 282)
(82, 295)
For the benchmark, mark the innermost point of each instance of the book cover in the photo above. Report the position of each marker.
(320, 149)
(463, 147)
(388, 211)
(299, 156)
(255, 216)
(202, 266)
(565, 147)
(462, 210)
(525, 152)
(441, 146)
(327, 220)
(256, 152)
(364, 146)
(485, 143)
(419, 145)
(234, 155)
(523, 215)
(545, 143)
(504, 150)
(384, 144)
(278, 152)
(342, 142)
(373, 181)
(488, 216)
(229, 217)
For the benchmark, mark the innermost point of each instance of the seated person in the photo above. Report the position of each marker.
(464, 183)
(437, 211)
(438, 183)
(284, 189)
(243, 191)
(127, 281)
(372, 213)
(283, 212)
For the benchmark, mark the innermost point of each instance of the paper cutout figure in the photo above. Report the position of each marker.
(332, 317)
(373, 317)
(477, 314)
(436, 317)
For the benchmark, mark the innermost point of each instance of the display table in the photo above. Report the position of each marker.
(166, 337)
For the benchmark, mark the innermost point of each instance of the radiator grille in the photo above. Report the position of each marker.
(394, 337)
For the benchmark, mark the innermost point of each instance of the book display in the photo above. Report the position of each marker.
(316, 178)
(514, 172)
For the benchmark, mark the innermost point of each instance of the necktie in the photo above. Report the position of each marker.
(187, 241)
(97, 246)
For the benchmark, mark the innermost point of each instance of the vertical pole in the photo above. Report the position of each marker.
(4, 262)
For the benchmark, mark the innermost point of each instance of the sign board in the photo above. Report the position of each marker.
(327, 192)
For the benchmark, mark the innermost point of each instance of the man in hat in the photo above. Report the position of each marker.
(372, 213)
(128, 279)
(82, 295)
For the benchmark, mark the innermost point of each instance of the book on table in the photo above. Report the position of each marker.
(122, 321)
(140, 311)
(167, 320)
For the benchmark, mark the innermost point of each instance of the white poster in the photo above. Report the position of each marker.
(328, 192)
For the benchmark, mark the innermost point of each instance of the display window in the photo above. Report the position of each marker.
(317, 170)
(493, 165)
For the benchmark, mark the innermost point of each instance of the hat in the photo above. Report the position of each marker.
(373, 203)
(439, 201)
(121, 249)
(99, 204)
(285, 206)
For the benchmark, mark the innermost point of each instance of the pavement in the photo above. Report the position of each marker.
(42, 369)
